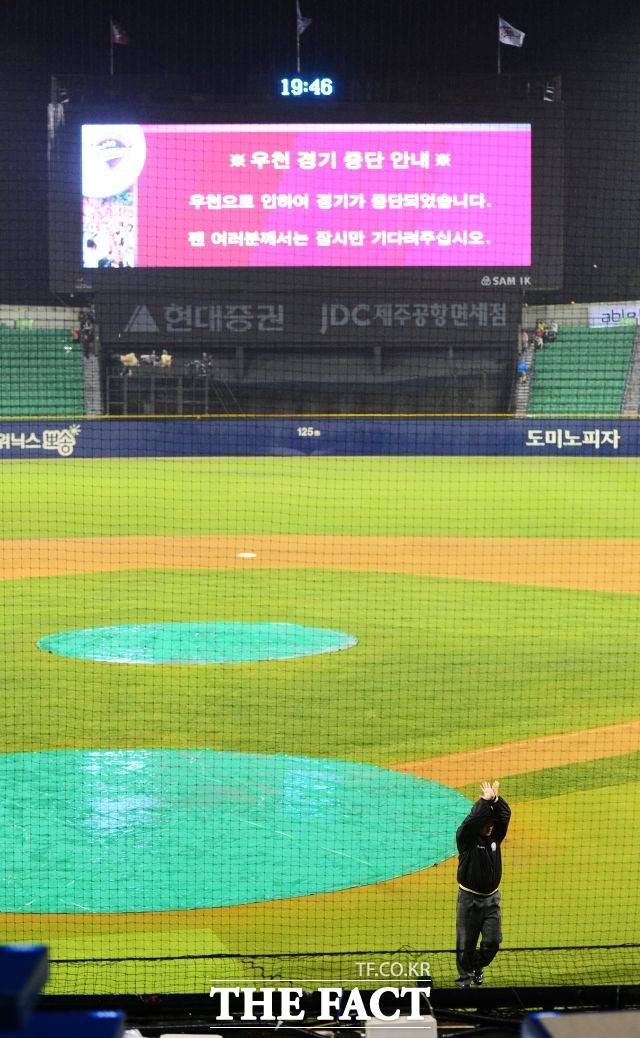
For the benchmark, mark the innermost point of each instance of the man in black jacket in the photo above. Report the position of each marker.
(479, 874)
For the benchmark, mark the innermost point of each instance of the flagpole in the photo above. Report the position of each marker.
(297, 3)
(499, 53)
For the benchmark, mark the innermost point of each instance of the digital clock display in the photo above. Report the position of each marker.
(296, 86)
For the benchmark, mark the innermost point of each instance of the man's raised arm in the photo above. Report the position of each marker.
(501, 818)
(481, 814)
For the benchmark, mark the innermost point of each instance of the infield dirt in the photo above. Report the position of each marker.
(576, 563)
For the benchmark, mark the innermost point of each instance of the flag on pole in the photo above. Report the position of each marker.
(119, 35)
(508, 34)
(302, 22)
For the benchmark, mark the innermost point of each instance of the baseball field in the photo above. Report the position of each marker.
(496, 607)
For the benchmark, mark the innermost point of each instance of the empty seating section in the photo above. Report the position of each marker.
(583, 372)
(40, 372)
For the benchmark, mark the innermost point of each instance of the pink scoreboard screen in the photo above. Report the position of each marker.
(332, 195)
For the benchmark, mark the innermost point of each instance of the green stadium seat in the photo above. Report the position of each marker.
(39, 375)
(583, 372)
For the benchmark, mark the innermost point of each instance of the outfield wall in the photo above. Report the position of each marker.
(112, 438)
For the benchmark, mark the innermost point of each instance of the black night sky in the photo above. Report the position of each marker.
(223, 48)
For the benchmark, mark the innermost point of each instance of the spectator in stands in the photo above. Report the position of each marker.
(166, 360)
(87, 332)
(551, 333)
(540, 328)
(479, 873)
(195, 366)
(523, 339)
(150, 359)
(522, 369)
(129, 361)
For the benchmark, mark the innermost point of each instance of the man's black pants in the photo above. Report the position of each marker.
(475, 917)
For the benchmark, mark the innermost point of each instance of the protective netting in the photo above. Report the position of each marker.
(319, 492)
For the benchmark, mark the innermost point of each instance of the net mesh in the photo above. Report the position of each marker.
(319, 492)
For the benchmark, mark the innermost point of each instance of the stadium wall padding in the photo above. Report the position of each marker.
(303, 436)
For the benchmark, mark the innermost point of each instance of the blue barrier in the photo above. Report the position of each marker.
(216, 437)
(23, 974)
(24, 969)
(107, 1023)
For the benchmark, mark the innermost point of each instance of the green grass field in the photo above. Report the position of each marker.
(441, 666)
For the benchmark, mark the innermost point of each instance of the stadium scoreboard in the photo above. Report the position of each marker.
(443, 200)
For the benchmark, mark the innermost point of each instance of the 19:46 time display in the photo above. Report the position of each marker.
(296, 86)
